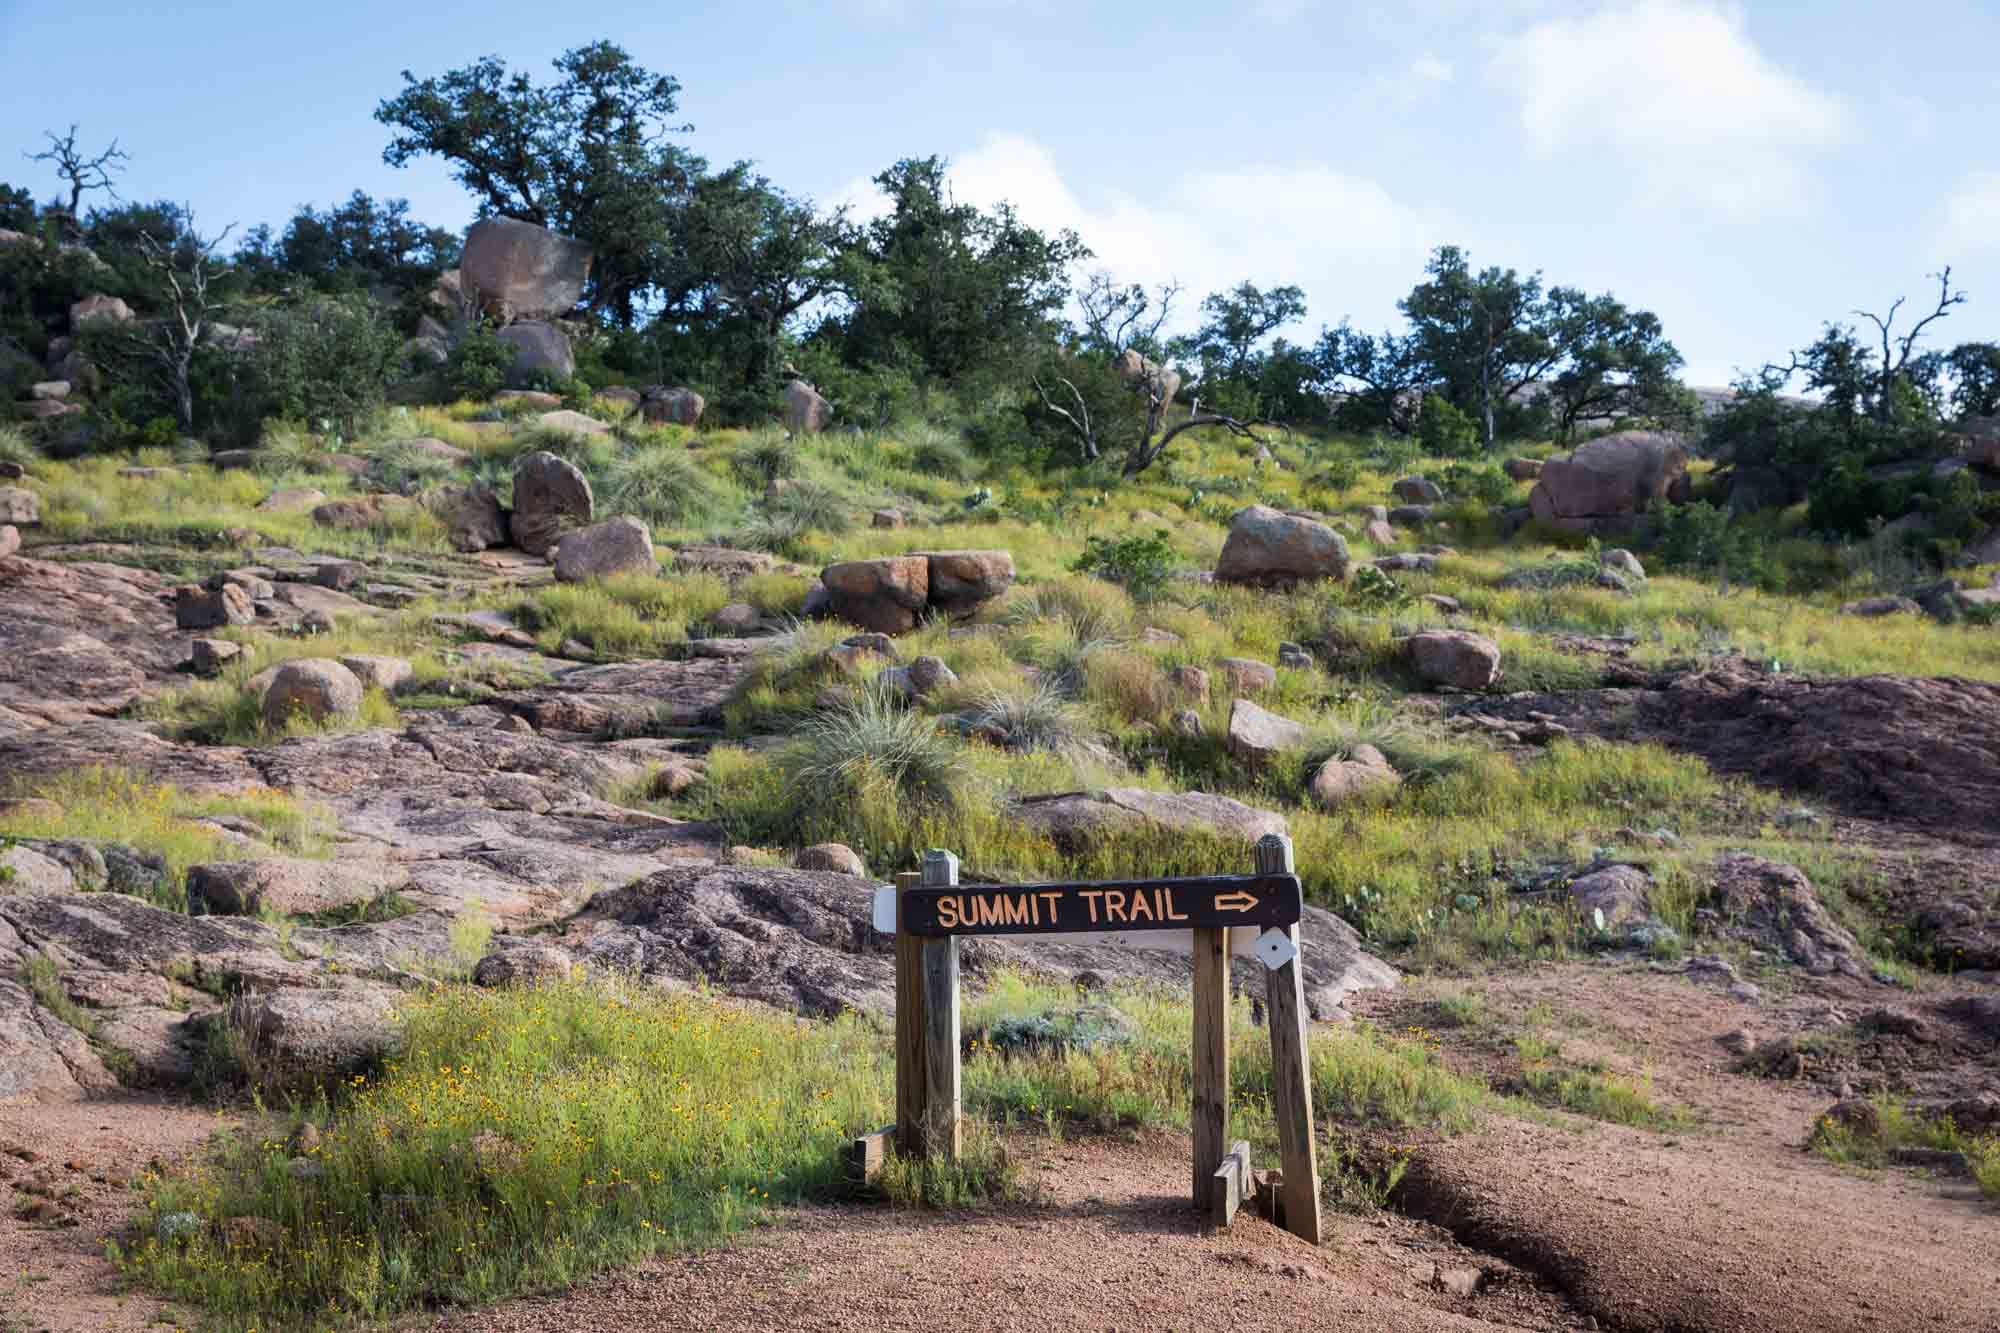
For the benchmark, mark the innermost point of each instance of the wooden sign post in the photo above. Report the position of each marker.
(928, 912)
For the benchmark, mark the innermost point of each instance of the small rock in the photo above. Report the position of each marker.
(1619, 892)
(1364, 771)
(833, 857)
(1190, 681)
(255, 1234)
(920, 678)
(1454, 657)
(616, 546)
(1461, 1282)
(886, 518)
(1188, 723)
(1622, 562)
(210, 608)
(378, 672)
(524, 965)
(1859, 1117)
(339, 575)
(1245, 673)
(1294, 656)
(1256, 735)
(209, 656)
(737, 617)
(10, 540)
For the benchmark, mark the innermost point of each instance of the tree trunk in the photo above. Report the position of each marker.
(1486, 398)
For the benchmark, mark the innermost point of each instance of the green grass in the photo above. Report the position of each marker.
(1904, 1127)
(527, 1138)
(1591, 1090)
(44, 983)
(624, 616)
(116, 806)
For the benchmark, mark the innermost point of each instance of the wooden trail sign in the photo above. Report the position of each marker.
(928, 913)
(1138, 904)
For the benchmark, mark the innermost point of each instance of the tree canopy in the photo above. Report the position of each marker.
(590, 155)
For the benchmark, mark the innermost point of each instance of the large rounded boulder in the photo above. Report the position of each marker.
(616, 546)
(317, 689)
(541, 351)
(886, 595)
(530, 271)
(806, 413)
(1607, 481)
(1268, 547)
(963, 581)
(550, 495)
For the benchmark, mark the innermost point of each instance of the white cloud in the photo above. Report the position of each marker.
(1344, 239)
(1680, 91)
(1430, 69)
(1971, 222)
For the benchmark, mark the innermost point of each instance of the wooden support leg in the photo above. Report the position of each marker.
(911, 1086)
(1210, 1112)
(1232, 1185)
(1291, 1072)
(941, 1133)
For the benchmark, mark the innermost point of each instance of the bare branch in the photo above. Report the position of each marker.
(82, 171)
(1893, 365)
(1147, 454)
(1081, 426)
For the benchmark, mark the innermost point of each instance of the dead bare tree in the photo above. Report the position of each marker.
(188, 270)
(1078, 420)
(75, 165)
(1116, 316)
(1897, 358)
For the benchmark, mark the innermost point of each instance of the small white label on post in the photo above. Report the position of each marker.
(885, 911)
(1275, 947)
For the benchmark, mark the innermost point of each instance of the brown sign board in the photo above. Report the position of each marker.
(1127, 904)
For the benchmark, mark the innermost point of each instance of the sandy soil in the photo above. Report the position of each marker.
(1730, 1226)
(80, 1159)
(1111, 1246)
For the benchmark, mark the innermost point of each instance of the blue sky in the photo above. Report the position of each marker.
(1747, 171)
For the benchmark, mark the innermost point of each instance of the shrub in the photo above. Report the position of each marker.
(1338, 474)
(324, 361)
(477, 365)
(1476, 481)
(1443, 430)
(1141, 565)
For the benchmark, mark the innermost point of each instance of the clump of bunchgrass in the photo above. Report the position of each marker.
(1033, 717)
(664, 487)
(874, 745)
(1093, 610)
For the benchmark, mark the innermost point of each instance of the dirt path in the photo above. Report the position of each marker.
(77, 1160)
(1730, 1226)
(1111, 1245)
